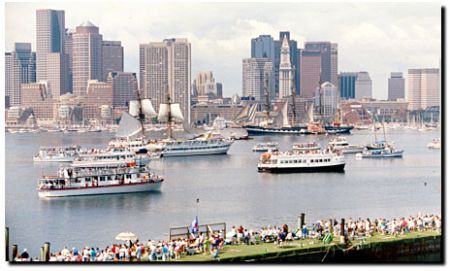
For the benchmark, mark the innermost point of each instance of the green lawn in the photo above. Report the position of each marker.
(238, 251)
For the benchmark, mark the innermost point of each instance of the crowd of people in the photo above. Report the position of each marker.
(211, 243)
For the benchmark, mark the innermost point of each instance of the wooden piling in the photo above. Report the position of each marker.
(7, 244)
(46, 251)
(15, 250)
(42, 255)
(302, 220)
(330, 226)
(342, 230)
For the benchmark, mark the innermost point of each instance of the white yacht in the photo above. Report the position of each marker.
(435, 144)
(119, 155)
(292, 162)
(108, 178)
(341, 143)
(57, 154)
(266, 147)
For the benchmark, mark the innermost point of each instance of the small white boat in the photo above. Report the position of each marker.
(435, 144)
(266, 147)
(340, 143)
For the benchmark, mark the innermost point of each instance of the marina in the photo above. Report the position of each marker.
(369, 187)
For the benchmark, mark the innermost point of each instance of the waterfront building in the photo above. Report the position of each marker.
(207, 112)
(423, 88)
(112, 61)
(37, 97)
(347, 85)
(98, 94)
(329, 59)
(124, 87)
(68, 110)
(327, 100)
(293, 53)
(254, 73)
(51, 63)
(20, 67)
(363, 86)
(87, 56)
(310, 70)
(285, 71)
(396, 86)
(166, 66)
(389, 110)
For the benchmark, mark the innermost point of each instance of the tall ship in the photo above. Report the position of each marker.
(110, 177)
(300, 162)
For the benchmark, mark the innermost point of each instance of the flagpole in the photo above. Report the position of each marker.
(198, 200)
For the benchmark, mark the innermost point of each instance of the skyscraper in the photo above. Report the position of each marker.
(166, 66)
(204, 83)
(263, 47)
(310, 67)
(326, 99)
(423, 88)
(347, 84)
(20, 67)
(87, 57)
(329, 59)
(285, 71)
(293, 52)
(396, 86)
(124, 86)
(68, 44)
(50, 50)
(254, 73)
(363, 86)
(112, 57)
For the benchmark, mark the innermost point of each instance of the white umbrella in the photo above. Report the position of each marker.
(126, 236)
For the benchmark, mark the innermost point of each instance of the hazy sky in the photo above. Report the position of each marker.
(374, 37)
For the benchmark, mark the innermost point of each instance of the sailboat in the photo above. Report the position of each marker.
(268, 126)
(208, 143)
(381, 149)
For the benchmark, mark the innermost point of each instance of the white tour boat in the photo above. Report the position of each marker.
(291, 162)
(109, 178)
(266, 147)
(57, 154)
(306, 147)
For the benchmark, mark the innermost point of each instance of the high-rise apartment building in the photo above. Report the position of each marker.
(285, 71)
(423, 88)
(347, 84)
(68, 45)
(50, 50)
(87, 56)
(396, 86)
(166, 67)
(112, 57)
(254, 73)
(310, 67)
(20, 68)
(124, 87)
(363, 86)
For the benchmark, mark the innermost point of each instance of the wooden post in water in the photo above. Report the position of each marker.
(15, 250)
(330, 227)
(42, 255)
(342, 231)
(46, 251)
(7, 244)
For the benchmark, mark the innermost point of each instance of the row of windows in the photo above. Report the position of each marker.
(305, 161)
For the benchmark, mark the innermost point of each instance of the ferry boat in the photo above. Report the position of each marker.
(435, 144)
(266, 147)
(109, 178)
(57, 154)
(119, 155)
(306, 147)
(298, 162)
(340, 143)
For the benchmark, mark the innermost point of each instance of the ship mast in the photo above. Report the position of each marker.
(169, 116)
(293, 102)
(266, 94)
(141, 115)
(320, 98)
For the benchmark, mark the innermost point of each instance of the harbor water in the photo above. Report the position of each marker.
(228, 187)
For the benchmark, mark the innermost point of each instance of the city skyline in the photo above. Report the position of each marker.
(366, 42)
